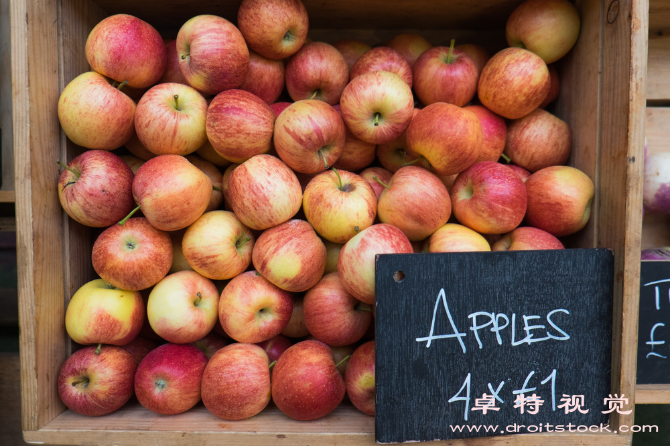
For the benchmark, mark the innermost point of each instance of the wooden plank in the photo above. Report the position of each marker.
(7, 152)
(652, 394)
(657, 130)
(7, 196)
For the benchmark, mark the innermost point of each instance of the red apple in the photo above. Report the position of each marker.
(477, 53)
(377, 107)
(351, 50)
(415, 201)
(215, 177)
(494, 133)
(239, 125)
(309, 136)
(134, 256)
(126, 48)
(275, 347)
(334, 316)
(447, 136)
(341, 354)
(134, 146)
(213, 54)
(445, 74)
(456, 238)
(236, 383)
(134, 163)
(527, 239)
(168, 379)
(290, 255)
(296, 326)
(172, 71)
(170, 119)
(382, 174)
(179, 262)
(264, 192)
(317, 71)
(559, 200)
(210, 344)
(94, 114)
(332, 254)
(279, 107)
(172, 192)
(208, 153)
(226, 194)
(95, 189)
(411, 46)
(538, 140)
(394, 155)
(140, 347)
(383, 58)
(265, 77)
(513, 83)
(95, 384)
(100, 313)
(523, 173)
(356, 264)
(548, 28)
(339, 204)
(554, 86)
(305, 382)
(360, 378)
(252, 309)
(275, 29)
(356, 154)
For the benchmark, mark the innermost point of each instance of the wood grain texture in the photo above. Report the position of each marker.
(7, 153)
(8, 196)
(652, 394)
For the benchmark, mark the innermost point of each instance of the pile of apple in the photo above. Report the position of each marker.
(269, 298)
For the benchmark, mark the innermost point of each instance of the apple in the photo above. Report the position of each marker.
(494, 133)
(133, 256)
(215, 177)
(369, 174)
(226, 193)
(489, 198)
(411, 46)
(523, 173)
(356, 154)
(252, 309)
(332, 254)
(275, 347)
(554, 86)
(279, 107)
(179, 262)
(290, 255)
(218, 245)
(356, 264)
(351, 50)
(127, 49)
(318, 71)
(275, 29)
(513, 83)
(236, 382)
(296, 326)
(134, 146)
(264, 192)
(168, 379)
(457, 238)
(377, 107)
(394, 155)
(208, 153)
(383, 58)
(445, 74)
(210, 344)
(170, 119)
(360, 378)
(447, 136)
(415, 201)
(171, 192)
(134, 163)
(140, 347)
(239, 125)
(339, 204)
(147, 331)
(95, 188)
(265, 77)
(97, 381)
(101, 313)
(172, 71)
(94, 114)
(305, 382)
(342, 354)
(656, 253)
(538, 140)
(213, 54)
(527, 239)
(309, 136)
(548, 28)
(334, 316)
(477, 53)
(559, 200)
(655, 186)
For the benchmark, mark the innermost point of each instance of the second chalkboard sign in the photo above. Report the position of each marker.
(483, 344)
(653, 349)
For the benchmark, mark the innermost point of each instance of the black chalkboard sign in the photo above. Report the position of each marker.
(531, 327)
(653, 340)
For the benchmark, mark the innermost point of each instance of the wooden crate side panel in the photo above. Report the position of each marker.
(622, 159)
(652, 394)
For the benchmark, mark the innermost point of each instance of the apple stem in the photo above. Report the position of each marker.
(377, 115)
(451, 50)
(364, 309)
(217, 188)
(272, 364)
(409, 163)
(98, 350)
(243, 241)
(80, 381)
(288, 36)
(357, 229)
(77, 174)
(176, 102)
(130, 215)
(506, 158)
(380, 181)
(121, 85)
(198, 300)
(345, 358)
(339, 179)
(325, 162)
(314, 94)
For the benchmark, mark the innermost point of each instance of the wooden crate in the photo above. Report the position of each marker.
(602, 99)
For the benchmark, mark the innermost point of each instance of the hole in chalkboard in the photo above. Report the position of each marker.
(399, 276)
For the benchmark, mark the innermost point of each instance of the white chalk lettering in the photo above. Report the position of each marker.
(443, 297)
(652, 342)
(565, 336)
(466, 398)
(475, 328)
